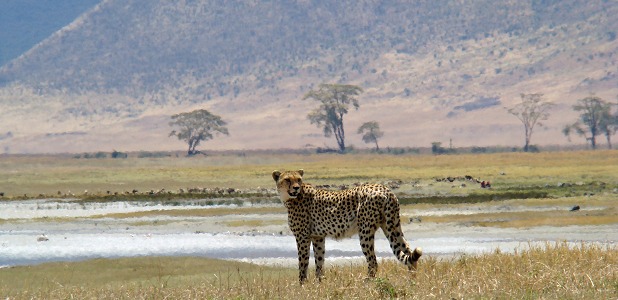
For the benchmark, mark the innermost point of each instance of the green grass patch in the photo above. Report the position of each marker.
(57, 176)
(527, 219)
(142, 273)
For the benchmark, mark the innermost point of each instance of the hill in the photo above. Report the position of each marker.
(431, 71)
(26, 23)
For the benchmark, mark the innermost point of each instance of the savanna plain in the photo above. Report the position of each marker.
(530, 193)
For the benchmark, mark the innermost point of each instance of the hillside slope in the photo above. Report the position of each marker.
(431, 71)
(25, 23)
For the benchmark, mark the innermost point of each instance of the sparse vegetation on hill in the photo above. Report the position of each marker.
(159, 45)
(444, 65)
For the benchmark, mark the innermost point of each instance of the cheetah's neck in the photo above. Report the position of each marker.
(308, 190)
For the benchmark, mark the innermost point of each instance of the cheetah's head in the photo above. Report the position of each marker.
(288, 183)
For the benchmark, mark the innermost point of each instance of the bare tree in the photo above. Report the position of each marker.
(196, 126)
(335, 101)
(595, 119)
(531, 111)
(371, 133)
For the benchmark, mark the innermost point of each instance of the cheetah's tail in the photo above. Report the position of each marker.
(393, 231)
(411, 260)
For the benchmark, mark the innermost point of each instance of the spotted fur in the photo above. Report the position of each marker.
(314, 214)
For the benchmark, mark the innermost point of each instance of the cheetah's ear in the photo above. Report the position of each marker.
(301, 172)
(276, 175)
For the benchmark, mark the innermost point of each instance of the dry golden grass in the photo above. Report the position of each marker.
(554, 271)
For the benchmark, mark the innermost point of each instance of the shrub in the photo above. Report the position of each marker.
(116, 154)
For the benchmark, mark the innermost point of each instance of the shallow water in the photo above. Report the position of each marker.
(52, 208)
(83, 238)
(22, 247)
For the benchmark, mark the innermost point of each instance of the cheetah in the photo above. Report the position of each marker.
(315, 214)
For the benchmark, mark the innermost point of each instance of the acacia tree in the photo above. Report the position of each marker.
(371, 132)
(335, 101)
(531, 111)
(595, 119)
(197, 126)
(609, 124)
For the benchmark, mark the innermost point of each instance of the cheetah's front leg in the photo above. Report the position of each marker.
(302, 245)
(318, 252)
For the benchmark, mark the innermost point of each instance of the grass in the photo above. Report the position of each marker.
(528, 219)
(471, 198)
(553, 271)
(108, 278)
(522, 213)
(64, 175)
